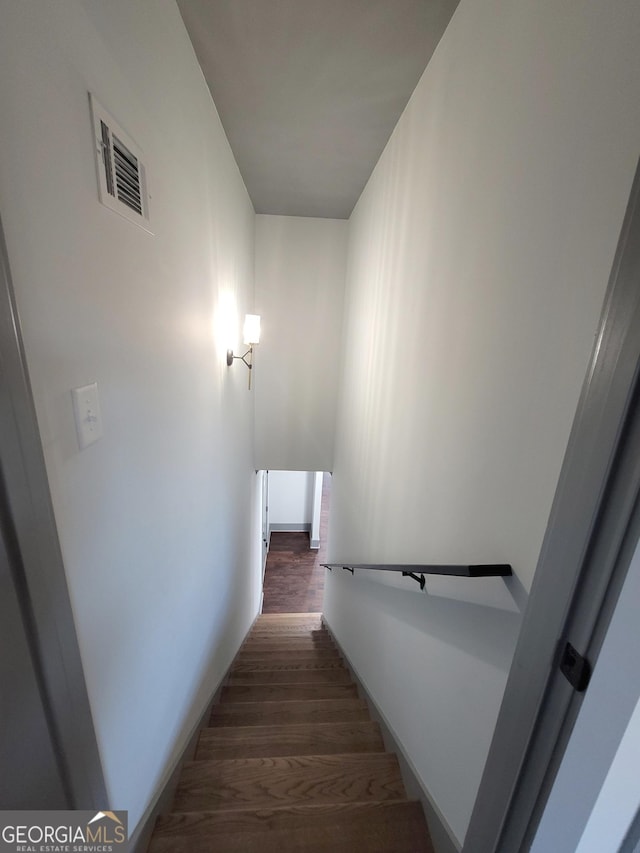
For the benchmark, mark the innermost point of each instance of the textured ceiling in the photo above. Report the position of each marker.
(309, 91)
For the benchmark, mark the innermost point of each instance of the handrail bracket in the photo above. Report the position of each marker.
(420, 579)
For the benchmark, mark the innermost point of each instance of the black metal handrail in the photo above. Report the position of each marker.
(417, 572)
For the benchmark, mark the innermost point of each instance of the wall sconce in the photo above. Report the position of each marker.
(251, 336)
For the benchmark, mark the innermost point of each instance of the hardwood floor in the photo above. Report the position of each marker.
(294, 578)
(291, 765)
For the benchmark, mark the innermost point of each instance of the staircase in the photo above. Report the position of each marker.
(291, 760)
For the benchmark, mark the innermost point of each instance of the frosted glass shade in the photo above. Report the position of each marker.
(251, 330)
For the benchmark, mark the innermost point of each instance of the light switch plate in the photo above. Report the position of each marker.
(86, 408)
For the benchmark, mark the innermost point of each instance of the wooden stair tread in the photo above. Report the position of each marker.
(387, 827)
(285, 692)
(270, 664)
(309, 631)
(279, 625)
(298, 627)
(290, 676)
(300, 644)
(267, 617)
(301, 655)
(265, 782)
(293, 711)
(280, 658)
(312, 635)
(288, 617)
(286, 740)
(286, 651)
(274, 627)
(310, 627)
(289, 636)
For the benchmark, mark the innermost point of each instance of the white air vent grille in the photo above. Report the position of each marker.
(127, 176)
(121, 173)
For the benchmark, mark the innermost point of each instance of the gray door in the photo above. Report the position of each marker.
(583, 564)
(29, 776)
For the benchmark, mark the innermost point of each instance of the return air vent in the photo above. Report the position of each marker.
(122, 184)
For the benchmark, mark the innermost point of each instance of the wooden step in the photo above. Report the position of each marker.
(301, 644)
(298, 643)
(285, 649)
(267, 782)
(280, 658)
(290, 630)
(290, 634)
(302, 655)
(306, 711)
(283, 628)
(388, 827)
(273, 664)
(282, 740)
(290, 676)
(290, 640)
(302, 632)
(287, 618)
(286, 692)
(278, 626)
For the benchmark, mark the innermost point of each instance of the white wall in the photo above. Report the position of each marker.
(291, 499)
(300, 269)
(596, 792)
(479, 255)
(155, 518)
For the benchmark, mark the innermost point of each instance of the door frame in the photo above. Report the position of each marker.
(580, 570)
(265, 520)
(37, 566)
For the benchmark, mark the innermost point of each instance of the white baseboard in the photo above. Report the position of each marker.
(286, 527)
